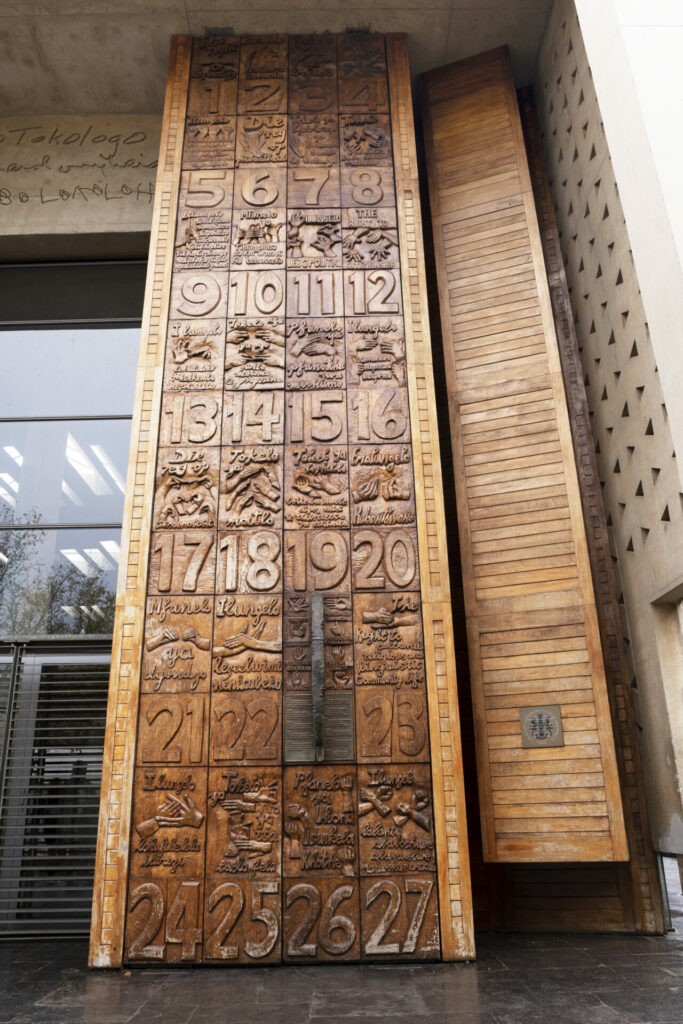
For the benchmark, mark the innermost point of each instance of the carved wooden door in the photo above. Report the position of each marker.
(289, 802)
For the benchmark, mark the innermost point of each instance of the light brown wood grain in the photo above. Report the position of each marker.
(455, 897)
(111, 866)
(529, 602)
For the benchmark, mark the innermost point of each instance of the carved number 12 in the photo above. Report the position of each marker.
(372, 291)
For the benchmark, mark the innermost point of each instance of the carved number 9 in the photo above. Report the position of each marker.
(330, 922)
(201, 294)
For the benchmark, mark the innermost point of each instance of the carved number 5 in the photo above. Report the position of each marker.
(205, 188)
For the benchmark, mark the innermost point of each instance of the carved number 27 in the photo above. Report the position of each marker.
(389, 888)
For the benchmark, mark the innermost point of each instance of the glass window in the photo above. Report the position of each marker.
(63, 471)
(69, 340)
(69, 371)
(58, 581)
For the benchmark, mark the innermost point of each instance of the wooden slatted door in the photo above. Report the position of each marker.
(549, 789)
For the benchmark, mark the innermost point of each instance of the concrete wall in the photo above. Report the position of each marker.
(74, 186)
(625, 282)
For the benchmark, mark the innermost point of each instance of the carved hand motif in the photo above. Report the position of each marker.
(175, 812)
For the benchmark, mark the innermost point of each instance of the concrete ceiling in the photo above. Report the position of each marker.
(110, 56)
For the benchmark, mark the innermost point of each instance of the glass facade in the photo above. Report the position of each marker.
(64, 436)
(69, 338)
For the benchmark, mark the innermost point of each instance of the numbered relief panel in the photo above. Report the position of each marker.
(549, 789)
(284, 804)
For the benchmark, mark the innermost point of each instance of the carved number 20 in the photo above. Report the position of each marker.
(385, 558)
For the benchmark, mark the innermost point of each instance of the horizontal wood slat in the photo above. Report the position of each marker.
(532, 628)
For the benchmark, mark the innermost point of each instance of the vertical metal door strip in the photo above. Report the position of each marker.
(50, 787)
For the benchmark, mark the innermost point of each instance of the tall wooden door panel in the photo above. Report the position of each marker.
(545, 752)
(297, 790)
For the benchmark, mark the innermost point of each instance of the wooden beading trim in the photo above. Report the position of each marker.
(455, 897)
(111, 865)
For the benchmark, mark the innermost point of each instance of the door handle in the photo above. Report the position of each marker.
(318, 674)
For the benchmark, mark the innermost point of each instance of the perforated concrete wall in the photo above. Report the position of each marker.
(639, 471)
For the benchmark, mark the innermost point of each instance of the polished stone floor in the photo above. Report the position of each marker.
(518, 979)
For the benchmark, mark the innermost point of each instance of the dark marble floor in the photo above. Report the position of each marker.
(518, 979)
